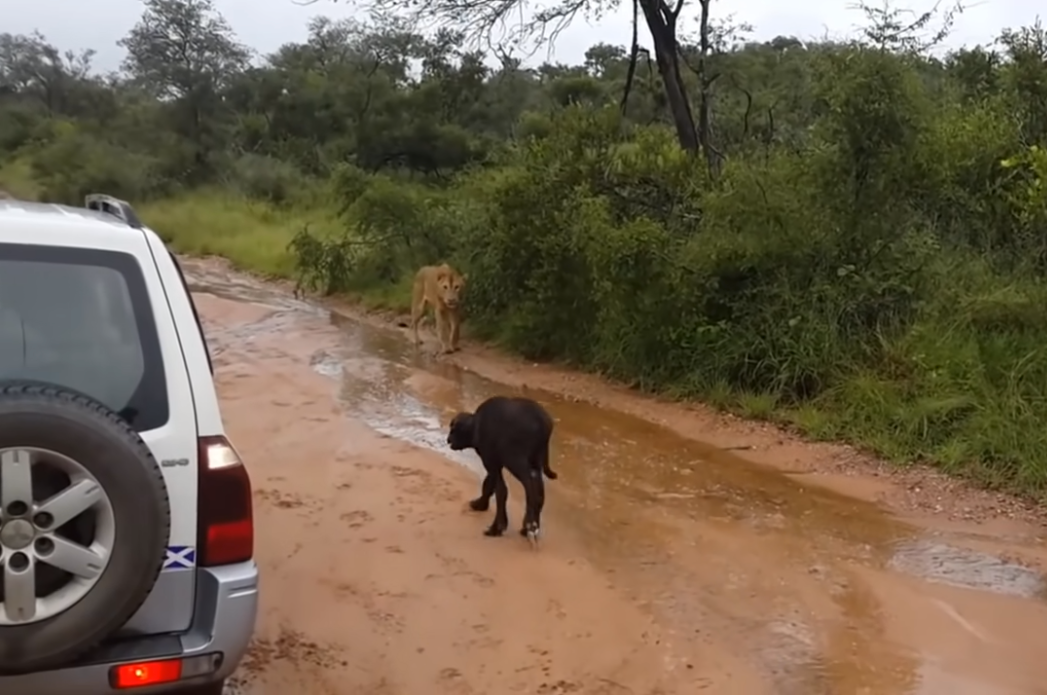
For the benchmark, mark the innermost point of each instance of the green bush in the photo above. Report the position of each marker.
(76, 163)
(264, 178)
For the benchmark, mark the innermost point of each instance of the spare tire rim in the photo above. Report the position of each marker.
(35, 535)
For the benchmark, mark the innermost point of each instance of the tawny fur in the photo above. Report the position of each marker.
(439, 286)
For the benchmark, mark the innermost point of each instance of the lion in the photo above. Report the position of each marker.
(440, 286)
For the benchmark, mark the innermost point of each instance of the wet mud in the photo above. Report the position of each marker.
(669, 564)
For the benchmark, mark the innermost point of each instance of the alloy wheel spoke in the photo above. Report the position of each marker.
(16, 477)
(74, 558)
(19, 592)
(71, 502)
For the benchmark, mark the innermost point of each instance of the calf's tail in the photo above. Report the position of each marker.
(549, 472)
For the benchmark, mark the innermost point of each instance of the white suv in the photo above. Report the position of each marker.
(126, 529)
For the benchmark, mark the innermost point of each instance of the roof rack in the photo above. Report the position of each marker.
(113, 206)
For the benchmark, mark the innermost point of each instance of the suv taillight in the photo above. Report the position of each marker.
(225, 521)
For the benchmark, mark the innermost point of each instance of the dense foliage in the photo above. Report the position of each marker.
(861, 250)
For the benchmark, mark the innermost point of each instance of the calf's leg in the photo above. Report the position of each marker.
(487, 487)
(534, 488)
(501, 514)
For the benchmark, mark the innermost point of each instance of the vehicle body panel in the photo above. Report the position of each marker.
(169, 606)
(190, 610)
(226, 605)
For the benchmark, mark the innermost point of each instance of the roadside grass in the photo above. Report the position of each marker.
(959, 406)
(389, 297)
(253, 235)
(16, 178)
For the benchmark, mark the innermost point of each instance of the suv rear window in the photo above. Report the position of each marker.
(81, 319)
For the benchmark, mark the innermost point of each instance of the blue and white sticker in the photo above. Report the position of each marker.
(180, 557)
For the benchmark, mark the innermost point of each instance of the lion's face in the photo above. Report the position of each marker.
(450, 286)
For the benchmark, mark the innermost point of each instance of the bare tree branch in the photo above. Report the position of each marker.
(634, 52)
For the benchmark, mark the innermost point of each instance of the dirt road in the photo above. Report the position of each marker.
(668, 565)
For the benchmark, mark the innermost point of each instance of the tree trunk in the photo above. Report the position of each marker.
(705, 128)
(663, 33)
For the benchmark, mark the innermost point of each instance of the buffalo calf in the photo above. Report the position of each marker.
(509, 433)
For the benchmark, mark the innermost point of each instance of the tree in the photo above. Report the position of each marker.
(184, 52)
(1027, 76)
(33, 67)
(182, 47)
(491, 22)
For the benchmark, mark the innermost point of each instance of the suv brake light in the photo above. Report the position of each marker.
(225, 519)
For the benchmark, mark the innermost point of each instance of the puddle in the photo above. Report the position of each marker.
(627, 486)
(948, 564)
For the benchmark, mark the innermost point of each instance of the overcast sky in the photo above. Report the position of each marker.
(266, 24)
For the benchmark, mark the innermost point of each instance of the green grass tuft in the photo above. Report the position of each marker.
(252, 235)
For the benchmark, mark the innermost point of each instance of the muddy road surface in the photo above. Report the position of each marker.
(668, 565)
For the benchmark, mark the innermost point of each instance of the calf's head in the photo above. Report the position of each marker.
(461, 435)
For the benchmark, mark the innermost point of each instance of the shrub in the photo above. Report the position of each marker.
(264, 178)
(77, 163)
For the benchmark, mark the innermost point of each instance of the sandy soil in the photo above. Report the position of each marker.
(669, 565)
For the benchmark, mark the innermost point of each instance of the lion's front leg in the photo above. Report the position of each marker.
(441, 328)
(417, 314)
(456, 329)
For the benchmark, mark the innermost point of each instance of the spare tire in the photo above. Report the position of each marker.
(84, 524)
